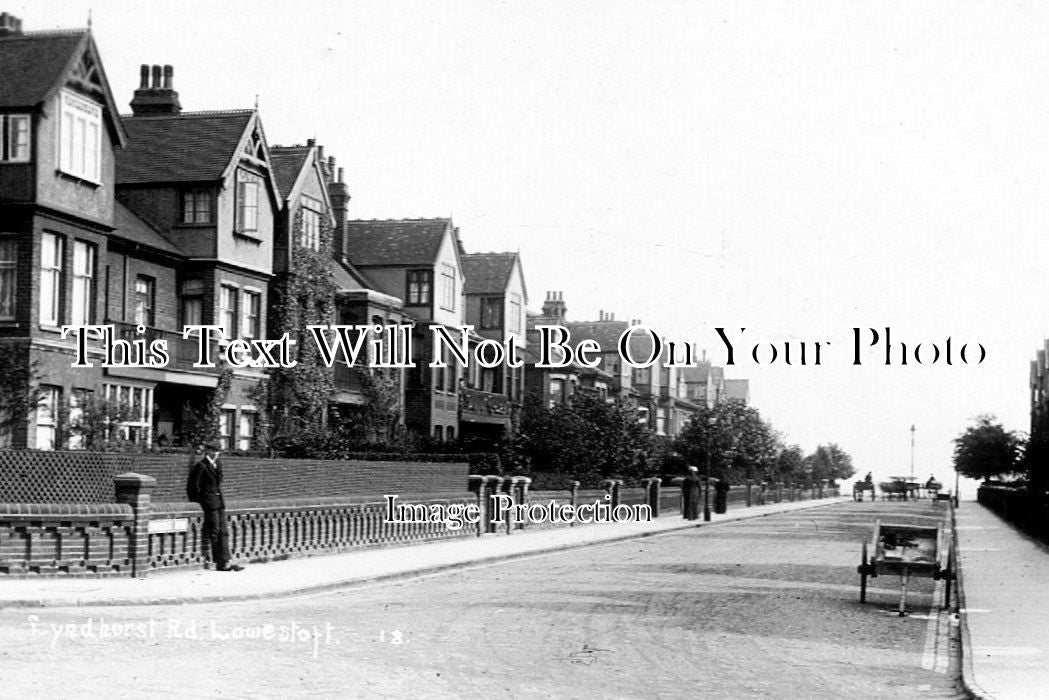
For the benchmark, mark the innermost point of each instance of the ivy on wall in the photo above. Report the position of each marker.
(296, 398)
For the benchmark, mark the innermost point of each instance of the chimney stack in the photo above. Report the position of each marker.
(10, 25)
(156, 96)
(554, 306)
(340, 204)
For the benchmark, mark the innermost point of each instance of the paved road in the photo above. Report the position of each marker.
(758, 608)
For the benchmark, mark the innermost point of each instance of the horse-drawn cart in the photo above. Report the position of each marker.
(907, 550)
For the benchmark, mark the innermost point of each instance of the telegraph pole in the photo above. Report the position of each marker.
(912, 452)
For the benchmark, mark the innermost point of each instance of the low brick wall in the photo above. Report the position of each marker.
(272, 530)
(138, 535)
(63, 539)
(1019, 506)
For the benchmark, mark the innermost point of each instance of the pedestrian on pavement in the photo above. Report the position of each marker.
(690, 494)
(204, 486)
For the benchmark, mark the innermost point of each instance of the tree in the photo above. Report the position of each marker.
(741, 444)
(987, 450)
(789, 463)
(589, 440)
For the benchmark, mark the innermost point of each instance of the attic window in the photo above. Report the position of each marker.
(247, 201)
(80, 139)
(14, 138)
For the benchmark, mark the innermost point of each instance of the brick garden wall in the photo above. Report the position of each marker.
(87, 477)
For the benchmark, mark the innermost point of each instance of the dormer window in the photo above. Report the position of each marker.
(248, 201)
(14, 138)
(80, 139)
(196, 207)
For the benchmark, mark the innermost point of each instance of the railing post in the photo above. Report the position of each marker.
(652, 484)
(134, 490)
(611, 487)
(747, 496)
(574, 487)
(521, 484)
(476, 484)
(492, 483)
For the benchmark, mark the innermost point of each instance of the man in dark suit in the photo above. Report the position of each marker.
(204, 486)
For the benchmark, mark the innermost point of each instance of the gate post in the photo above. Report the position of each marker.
(134, 490)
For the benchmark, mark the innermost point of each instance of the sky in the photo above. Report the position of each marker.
(795, 169)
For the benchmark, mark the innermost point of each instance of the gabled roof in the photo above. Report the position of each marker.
(188, 147)
(134, 230)
(395, 241)
(697, 374)
(487, 273)
(33, 65)
(287, 163)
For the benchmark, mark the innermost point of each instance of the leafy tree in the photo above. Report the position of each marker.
(789, 463)
(828, 462)
(986, 449)
(97, 426)
(589, 440)
(741, 444)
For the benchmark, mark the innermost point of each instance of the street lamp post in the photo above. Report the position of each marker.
(706, 487)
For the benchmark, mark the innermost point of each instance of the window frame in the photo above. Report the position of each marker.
(251, 325)
(150, 298)
(448, 286)
(229, 330)
(190, 201)
(491, 313)
(248, 182)
(47, 415)
(84, 120)
(192, 292)
(310, 229)
(53, 270)
(8, 137)
(419, 287)
(8, 271)
(82, 308)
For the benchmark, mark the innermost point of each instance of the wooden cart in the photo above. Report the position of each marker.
(907, 550)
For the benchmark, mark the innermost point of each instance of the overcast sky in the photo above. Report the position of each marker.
(798, 169)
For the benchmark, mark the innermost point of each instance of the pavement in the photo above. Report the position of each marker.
(1004, 608)
(1003, 583)
(301, 576)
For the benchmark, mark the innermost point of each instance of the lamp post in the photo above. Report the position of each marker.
(706, 488)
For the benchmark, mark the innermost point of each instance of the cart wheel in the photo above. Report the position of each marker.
(863, 574)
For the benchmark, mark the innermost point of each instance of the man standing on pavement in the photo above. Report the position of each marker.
(690, 494)
(204, 486)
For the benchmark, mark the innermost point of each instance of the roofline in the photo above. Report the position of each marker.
(87, 41)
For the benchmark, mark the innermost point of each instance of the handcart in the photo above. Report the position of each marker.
(907, 550)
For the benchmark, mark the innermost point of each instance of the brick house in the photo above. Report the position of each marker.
(59, 132)
(419, 261)
(204, 182)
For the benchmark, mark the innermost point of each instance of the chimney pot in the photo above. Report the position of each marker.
(320, 153)
(340, 175)
(143, 72)
(156, 77)
(311, 142)
(169, 75)
(331, 162)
